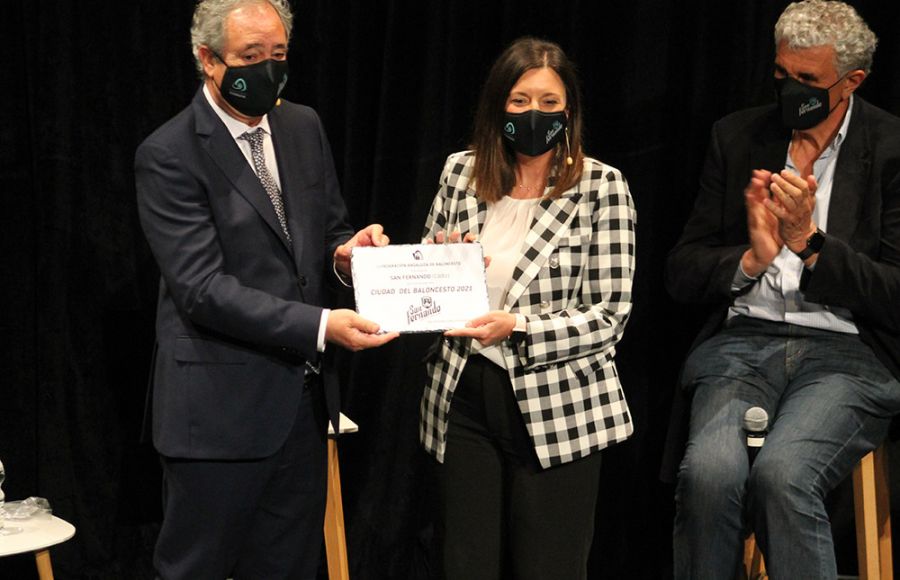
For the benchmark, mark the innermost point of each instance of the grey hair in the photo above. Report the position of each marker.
(828, 23)
(208, 25)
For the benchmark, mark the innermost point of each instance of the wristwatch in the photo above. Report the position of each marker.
(814, 244)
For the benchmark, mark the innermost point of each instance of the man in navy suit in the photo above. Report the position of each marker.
(240, 204)
(794, 244)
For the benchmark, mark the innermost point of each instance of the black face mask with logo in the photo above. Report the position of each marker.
(253, 89)
(802, 106)
(534, 132)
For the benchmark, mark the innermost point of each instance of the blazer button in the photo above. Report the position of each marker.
(302, 281)
(545, 305)
(554, 262)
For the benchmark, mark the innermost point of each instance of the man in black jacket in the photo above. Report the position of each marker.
(794, 243)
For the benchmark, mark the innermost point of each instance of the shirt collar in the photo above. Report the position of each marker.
(235, 128)
(842, 132)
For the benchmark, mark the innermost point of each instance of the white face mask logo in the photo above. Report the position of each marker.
(812, 105)
(557, 127)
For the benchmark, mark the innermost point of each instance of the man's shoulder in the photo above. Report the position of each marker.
(290, 112)
(172, 130)
(875, 111)
(744, 118)
(881, 123)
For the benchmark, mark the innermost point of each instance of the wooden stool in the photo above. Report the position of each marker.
(335, 537)
(871, 500)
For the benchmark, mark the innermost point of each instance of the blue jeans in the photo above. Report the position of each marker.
(830, 401)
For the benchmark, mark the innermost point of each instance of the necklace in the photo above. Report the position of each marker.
(521, 191)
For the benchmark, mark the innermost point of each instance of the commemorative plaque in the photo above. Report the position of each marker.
(420, 287)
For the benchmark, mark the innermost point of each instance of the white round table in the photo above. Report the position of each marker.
(37, 535)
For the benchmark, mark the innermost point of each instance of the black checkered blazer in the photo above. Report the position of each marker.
(573, 284)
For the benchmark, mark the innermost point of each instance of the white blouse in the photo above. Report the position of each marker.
(505, 225)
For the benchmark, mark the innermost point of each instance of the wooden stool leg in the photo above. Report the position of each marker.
(42, 559)
(754, 564)
(873, 524)
(883, 510)
(335, 539)
(749, 550)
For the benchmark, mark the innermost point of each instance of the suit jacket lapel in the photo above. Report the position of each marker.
(294, 185)
(850, 177)
(552, 218)
(471, 215)
(770, 147)
(221, 147)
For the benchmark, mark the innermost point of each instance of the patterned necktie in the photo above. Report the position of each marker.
(255, 138)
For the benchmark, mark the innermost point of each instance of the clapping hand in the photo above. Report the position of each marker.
(793, 201)
(762, 225)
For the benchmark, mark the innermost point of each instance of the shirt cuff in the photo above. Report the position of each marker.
(342, 278)
(741, 279)
(521, 323)
(518, 332)
(323, 324)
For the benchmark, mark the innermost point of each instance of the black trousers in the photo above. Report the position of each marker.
(254, 519)
(503, 515)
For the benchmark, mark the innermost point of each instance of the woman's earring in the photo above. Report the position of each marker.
(569, 160)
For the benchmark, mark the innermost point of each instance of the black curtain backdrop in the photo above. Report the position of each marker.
(396, 83)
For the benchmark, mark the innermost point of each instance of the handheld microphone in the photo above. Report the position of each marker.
(756, 423)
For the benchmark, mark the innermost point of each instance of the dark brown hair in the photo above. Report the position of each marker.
(494, 173)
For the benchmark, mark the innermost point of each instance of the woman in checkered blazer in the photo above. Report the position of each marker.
(520, 402)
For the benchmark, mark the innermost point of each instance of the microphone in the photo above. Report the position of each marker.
(756, 423)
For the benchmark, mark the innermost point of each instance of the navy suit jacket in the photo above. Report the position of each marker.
(239, 307)
(858, 267)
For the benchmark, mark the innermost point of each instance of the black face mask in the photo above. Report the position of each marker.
(802, 106)
(253, 89)
(534, 132)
